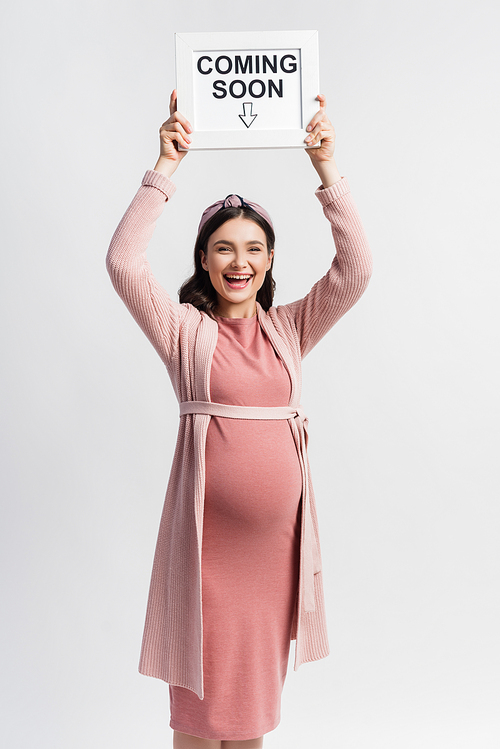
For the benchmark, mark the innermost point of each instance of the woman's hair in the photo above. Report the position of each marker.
(198, 289)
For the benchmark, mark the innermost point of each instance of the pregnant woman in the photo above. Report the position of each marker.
(237, 569)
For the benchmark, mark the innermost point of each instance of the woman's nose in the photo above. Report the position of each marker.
(239, 262)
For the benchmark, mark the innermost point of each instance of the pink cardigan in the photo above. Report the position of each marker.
(186, 339)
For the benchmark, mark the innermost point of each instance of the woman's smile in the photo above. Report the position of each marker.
(237, 280)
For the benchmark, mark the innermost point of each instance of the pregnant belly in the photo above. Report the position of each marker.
(252, 501)
(252, 472)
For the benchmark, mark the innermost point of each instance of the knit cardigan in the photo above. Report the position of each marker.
(185, 339)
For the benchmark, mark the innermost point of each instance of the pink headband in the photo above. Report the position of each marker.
(236, 202)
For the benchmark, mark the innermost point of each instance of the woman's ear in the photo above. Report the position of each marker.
(203, 259)
(270, 256)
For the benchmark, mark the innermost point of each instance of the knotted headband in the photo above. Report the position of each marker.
(236, 202)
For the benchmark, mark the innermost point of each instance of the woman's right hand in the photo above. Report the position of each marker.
(173, 133)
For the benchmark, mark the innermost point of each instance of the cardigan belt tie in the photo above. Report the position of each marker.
(309, 557)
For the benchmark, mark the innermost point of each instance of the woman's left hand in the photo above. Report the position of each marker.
(321, 130)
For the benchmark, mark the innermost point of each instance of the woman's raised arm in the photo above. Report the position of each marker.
(158, 316)
(340, 288)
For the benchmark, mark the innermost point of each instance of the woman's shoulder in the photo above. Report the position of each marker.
(280, 318)
(192, 316)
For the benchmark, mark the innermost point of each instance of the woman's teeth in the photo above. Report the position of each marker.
(237, 280)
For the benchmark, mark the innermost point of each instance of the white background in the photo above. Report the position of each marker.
(402, 395)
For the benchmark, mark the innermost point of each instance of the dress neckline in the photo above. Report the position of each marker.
(237, 320)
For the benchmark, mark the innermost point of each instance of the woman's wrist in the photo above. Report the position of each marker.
(327, 172)
(165, 166)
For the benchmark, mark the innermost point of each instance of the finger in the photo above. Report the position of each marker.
(318, 138)
(178, 117)
(315, 137)
(320, 114)
(176, 135)
(321, 131)
(173, 101)
(315, 126)
(178, 138)
(319, 118)
(324, 125)
(322, 101)
(176, 127)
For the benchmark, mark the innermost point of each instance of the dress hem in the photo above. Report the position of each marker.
(242, 736)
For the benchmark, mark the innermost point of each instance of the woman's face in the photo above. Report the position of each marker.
(237, 260)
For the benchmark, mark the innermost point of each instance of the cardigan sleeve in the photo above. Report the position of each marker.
(341, 287)
(159, 317)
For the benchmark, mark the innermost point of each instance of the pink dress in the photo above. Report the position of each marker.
(250, 555)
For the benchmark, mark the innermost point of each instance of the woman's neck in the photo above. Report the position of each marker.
(247, 308)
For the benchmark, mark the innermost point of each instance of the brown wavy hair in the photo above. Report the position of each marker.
(198, 289)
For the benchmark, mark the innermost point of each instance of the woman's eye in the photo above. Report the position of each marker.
(254, 249)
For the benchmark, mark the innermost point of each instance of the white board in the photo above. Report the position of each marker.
(248, 89)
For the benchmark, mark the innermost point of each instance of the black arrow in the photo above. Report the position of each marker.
(247, 117)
